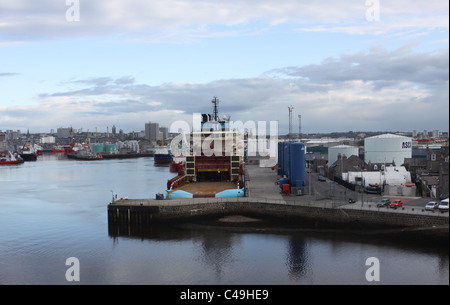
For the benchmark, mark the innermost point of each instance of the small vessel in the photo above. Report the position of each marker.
(163, 155)
(58, 149)
(373, 189)
(85, 155)
(7, 158)
(28, 153)
(74, 147)
(39, 149)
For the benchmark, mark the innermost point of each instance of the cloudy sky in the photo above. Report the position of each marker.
(344, 65)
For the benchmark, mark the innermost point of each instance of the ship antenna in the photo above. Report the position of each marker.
(215, 101)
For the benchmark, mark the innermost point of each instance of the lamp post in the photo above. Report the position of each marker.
(362, 189)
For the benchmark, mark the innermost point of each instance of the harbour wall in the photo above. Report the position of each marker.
(149, 211)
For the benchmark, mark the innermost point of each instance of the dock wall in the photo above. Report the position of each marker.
(142, 212)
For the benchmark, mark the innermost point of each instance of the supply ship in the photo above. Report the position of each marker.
(215, 165)
(163, 155)
(28, 152)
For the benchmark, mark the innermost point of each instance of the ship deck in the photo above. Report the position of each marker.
(208, 188)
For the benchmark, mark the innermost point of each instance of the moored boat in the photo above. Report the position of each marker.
(215, 170)
(162, 155)
(28, 153)
(58, 149)
(39, 149)
(7, 158)
(85, 155)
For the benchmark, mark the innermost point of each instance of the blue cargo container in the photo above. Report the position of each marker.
(286, 159)
(297, 162)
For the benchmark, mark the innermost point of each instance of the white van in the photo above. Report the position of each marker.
(443, 206)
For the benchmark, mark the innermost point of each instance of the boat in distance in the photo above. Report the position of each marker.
(28, 153)
(7, 158)
(162, 155)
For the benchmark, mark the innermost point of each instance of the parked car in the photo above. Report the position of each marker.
(443, 206)
(385, 202)
(443, 196)
(322, 178)
(431, 206)
(396, 204)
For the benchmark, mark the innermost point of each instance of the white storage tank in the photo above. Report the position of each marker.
(335, 151)
(387, 148)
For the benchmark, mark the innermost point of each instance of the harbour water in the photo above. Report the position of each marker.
(55, 208)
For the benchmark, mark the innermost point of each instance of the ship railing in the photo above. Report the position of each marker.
(176, 182)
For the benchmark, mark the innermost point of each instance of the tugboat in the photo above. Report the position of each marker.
(7, 158)
(28, 153)
(211, 171)
(58, 149)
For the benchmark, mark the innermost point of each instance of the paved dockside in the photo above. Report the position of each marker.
(266, 201)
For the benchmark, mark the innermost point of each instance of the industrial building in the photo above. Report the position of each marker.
(387, 148)
(342, 150)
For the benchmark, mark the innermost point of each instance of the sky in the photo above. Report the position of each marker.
(348, 65)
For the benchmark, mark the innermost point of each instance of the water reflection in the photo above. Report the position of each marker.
(217, 255)
(217, 251)
(297, 258)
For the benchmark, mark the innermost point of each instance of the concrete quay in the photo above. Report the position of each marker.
(265, 201)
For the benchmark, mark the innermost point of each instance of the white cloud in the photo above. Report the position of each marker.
(365, 91)
(190, 19)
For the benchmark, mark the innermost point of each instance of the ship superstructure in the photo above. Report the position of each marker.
(215, 166)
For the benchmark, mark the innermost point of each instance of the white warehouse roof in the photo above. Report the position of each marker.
(388, 136)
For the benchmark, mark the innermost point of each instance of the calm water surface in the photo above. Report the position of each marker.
(55, 208)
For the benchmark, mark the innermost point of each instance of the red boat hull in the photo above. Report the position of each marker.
(9, 162)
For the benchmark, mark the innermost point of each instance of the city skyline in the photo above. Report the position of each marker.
(352, 65)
